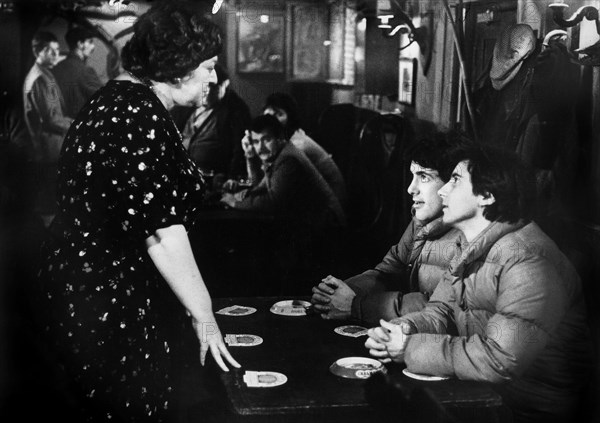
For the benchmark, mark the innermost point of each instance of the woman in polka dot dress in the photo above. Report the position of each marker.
(119, 256)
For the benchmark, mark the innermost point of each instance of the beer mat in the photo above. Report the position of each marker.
(291, 308)
(419, 376)
(255, 379)
(351, 330)
(236, 310)
(243, 340)
(356, 367)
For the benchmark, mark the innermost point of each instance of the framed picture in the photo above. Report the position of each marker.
(407, 84)
(260, 40)
(307, 33)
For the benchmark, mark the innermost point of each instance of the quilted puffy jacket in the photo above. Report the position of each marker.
(510, 310)
(407, 275)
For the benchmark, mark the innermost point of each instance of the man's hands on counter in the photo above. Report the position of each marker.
(388, 342)
(332, 298)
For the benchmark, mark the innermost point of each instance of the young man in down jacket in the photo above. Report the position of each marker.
(410, 271)
(510, 308)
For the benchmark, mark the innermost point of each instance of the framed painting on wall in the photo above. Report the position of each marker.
(308, 32)
(407, 84)
(260, 41)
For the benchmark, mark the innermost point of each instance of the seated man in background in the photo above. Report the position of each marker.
(410, 271)
(76, 80)
(291, 186)
(212, 132)
(510, 308)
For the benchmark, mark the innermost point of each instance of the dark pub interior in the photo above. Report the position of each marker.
(302, 210)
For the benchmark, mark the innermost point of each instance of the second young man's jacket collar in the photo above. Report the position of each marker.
(468, 252)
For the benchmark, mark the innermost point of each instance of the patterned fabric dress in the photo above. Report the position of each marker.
(113, 320)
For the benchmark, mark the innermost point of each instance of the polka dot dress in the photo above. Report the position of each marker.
(111, 317)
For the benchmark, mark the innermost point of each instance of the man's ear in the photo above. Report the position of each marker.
(487, 199)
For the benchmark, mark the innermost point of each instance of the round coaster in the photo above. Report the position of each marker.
(243, 340)
(267, 379)
(351, 330)
(236, 310)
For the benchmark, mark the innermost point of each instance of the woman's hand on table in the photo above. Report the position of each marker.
(388, 342)
(210, 338)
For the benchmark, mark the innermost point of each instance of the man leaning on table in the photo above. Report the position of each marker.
(410, 271)
(509, 310)
(284, 182)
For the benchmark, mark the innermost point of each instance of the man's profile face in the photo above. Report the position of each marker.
(427, 204)
(87, 47)
(460, 205)
(266, 145)
(48, 56)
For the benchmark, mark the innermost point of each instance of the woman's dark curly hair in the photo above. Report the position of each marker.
(169, 41)
(501, 173)
(286, 103)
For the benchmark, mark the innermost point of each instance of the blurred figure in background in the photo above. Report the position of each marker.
(76, 80)
(285, 109)
(44, 116)
(212, 132)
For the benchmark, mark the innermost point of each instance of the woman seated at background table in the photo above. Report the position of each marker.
(285, 109)
(284, 182)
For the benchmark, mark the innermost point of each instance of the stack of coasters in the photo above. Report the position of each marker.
(291, 308)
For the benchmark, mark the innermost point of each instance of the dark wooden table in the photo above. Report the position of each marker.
(303, 348)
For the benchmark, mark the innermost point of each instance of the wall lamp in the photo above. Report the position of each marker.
(591, 54)
(393, 21)
(588, 12)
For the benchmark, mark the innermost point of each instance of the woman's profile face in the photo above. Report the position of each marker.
(195, 87)
(280, 114)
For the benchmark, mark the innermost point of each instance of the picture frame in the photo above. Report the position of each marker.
(308, 29)
(407, 81)
(260, 44)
